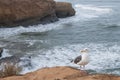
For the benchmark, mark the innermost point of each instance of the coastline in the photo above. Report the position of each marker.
(62, 73)
(74, 35)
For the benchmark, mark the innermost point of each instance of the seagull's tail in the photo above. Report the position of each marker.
(72, 61)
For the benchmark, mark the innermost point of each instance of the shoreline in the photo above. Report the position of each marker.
(62, 73)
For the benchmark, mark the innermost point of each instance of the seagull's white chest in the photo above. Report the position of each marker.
(84, 60)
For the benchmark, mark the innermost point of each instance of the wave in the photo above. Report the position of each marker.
(86, 13)
(91, 11)
(103, 57)
(5, 53)
(7, 32)
(94, 8)
(112, 26)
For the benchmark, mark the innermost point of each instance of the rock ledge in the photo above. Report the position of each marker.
(62, 73)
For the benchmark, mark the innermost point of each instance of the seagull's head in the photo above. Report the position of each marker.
(84, 51)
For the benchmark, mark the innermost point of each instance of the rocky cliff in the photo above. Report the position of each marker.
(28, 12)
(64, 9)
(62, 73)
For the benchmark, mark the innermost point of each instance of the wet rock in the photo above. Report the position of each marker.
(64, 9)
(11, 59)
(1, 51)
(22, 61)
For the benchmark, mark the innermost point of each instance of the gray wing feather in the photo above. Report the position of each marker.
(77, 59)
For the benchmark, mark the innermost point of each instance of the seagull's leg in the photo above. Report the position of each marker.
(84, 69)
(84, 66)
(80, 67)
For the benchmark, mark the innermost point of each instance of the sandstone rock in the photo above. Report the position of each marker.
(62, 73)
(55, 73)
(64, 9)
(26, 12)
(98, 77)
(29, 12)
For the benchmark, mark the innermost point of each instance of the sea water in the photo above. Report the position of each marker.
(96, 26)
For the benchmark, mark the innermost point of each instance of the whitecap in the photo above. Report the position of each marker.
(5, 53)
(94, 8)
(103, 57)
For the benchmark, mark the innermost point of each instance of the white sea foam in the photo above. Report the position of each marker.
(5, 53)
(7, 32)
(94, 8)
(91, 11)
(102, 56)
(87, 12)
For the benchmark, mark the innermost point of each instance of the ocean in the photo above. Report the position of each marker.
(95, 27)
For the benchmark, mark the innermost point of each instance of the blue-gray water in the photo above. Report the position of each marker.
(95, 26)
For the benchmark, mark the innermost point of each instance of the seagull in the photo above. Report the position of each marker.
(83, 59)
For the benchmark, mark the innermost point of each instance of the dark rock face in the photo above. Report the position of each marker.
(1, 51)
(64, 9)
(26, 12)
(11, 59)
(24, 62)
